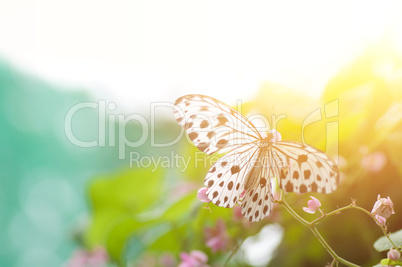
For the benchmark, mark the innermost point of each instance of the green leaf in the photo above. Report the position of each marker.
(183, 207)
(385, 262)
(167, 239)
(118, 236)
(116, 201)
(170, 211)
(383, 244)
(389, 262)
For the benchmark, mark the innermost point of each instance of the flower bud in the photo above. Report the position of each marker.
(393, 254)
(381, 220)
(383, 207)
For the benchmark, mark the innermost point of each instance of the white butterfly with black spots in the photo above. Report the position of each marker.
(252, 158)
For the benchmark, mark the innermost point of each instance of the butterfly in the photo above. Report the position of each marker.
(252, 158)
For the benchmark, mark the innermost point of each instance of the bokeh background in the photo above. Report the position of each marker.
(65, 205)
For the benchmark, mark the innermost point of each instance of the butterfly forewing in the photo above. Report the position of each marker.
(212, 125)
(307, 169)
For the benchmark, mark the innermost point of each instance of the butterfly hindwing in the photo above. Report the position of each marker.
(301, 168)
(257, 201)
(225, 179)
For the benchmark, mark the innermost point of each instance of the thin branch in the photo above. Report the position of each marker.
(317, 234)
(354, 206)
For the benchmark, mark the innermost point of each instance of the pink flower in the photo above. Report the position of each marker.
(202, 195)
(195, 258)
(275, 135)
(83, 258)
(217, 238)
(374, 162)
(312, 205)
(383, 207)
(167, 260)
(381, 220)
(393, 254)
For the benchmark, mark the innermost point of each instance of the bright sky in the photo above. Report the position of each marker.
(134, 52)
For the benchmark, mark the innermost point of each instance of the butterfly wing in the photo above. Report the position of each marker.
(258, 200)
(225, 180)
(302, 168)
(215, 127)
(212, 125)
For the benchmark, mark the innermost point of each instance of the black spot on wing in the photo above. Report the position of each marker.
(301, 159)
(203, 146)
(204, 124)
(303, 188)
(314, 187)
(307, 174)
(222, 120)
(283, 174)
(230, 185)
(222, 143)
(235, 169)
(188, 125)
(289, 187)
(193, 136)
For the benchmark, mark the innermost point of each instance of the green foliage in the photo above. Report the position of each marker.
(383, 244)
(389, 262)
(116, 202)
(42, 174)
(117, 199)
(134, 216)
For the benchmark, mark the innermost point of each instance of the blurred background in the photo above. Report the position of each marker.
(63, 204)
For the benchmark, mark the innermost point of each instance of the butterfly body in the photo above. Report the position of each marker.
(251, 159)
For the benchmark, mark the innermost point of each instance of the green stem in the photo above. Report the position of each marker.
(293, 213)
(234, 251)
(316, 233)
(353, 206)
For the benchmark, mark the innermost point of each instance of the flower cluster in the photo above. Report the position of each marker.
(83, 258)
(216, 237)
(195, 258)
